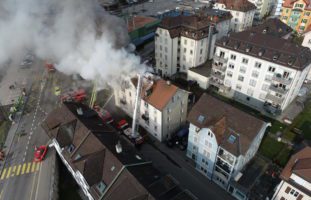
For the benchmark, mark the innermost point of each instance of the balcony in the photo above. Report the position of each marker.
(277, 89)
(218, 75)
(219, 67)
(220, 59)
(223, 166)
(219, 85)
(280, 79)
(145, 117)
(225, 156)
(274, 99)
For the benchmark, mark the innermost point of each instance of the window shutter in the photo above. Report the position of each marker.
(287, 190)
(300, 197)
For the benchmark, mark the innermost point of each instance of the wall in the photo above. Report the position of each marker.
(280, 192)
(201, 80)
(307, 40)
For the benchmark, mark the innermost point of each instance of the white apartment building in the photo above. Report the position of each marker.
(277, 7)
(183, 42)
(260, 70)
(163, 106)
(307, 39)
(263, 8)
(296, 178)
(219, 142)
(242, 12)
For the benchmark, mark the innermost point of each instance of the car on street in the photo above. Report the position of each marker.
(40, 153)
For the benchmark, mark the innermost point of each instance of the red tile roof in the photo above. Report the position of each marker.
(238, 5)
(290, 4)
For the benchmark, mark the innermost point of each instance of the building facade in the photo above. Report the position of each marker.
(296, 14)
(163, 106)
(263, 8)
(218, 142)
(183, 42)
(260, 70)
(296, 178)
(242, 12)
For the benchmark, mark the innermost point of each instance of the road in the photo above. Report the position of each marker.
(21, 178)
(174, 162)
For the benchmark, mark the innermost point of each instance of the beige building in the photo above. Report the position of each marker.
(296, 178)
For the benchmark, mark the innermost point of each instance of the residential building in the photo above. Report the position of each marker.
(163, 106)
(263, 8)
(103, 163)
(296, 14)
(260, 70)
(274, 27)
(296, 178)
(307, 38)
(242, 12)
(219, 142)
(183, 42)
(277, 8)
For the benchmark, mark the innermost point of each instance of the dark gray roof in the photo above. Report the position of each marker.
(273, 26)
(268, 47)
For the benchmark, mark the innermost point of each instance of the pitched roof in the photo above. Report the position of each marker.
(89, 146)
(290, 4)
(137, 22)
(227, 123)
(268, 47)
(238, 5)
(274, 27)
(299, 164)
(161, 92)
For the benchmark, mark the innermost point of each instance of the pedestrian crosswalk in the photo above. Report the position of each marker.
(18, 170)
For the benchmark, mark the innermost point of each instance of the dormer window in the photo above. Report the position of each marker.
(275, 57)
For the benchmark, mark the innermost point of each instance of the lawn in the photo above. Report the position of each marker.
(270, 148)
(283, 156)
(277, 126)
(289, 136)
(306, 129)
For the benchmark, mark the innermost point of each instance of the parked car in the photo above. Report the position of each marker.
(40, 153)
(180, 139)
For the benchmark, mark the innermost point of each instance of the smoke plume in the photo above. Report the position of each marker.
(77, 35)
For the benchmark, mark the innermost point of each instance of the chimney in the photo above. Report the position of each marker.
(79, 111)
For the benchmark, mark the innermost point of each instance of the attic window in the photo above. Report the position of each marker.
(231, 139)
(275, 57)
(78, 156)
(101, 186)
(201, 118)
(112, 168)
(71, 148)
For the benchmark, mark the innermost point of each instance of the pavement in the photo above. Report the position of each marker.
(175, 162)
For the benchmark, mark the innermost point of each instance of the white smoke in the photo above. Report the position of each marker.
(77, 35)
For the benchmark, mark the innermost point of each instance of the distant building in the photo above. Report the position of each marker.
(242, 12)
(277, 8)
(183, 42)
(141, 29)
(307, 38)
(263, 8)
(102, 162)
(296, 14)
(260, 70)
(296, 178)
(163, 106)
(219, 141)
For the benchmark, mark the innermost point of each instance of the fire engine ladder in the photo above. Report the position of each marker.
(135, 123)
(94, 94)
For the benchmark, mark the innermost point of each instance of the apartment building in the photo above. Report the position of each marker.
(219, 142)
(260, 70)
(103, 163)
(296, 14)
(296, 178)
(242, 12)
(183, 42)
(277, 8)
(263, 8)
(162, 107)
(307, 38)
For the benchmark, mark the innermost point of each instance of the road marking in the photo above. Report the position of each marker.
(28, 167)
(33, 167)
(38, 166)
(3, 173)
(9, 172)
(13, 171)
(18, 170)
(24, 168)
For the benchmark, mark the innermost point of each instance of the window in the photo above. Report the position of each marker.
(184, 57)
(160, 31)
(146, 104)
(185, 50)
(200, 59)
(258, 65)
(241, 78)
(202, 42)
(302, 28)
(268, 78)
(271, 69)
(161, 47)
(192, 43)
(101, 186)
(255, 74)
(265, 87)
(238, 87)
(165, 49)
(294, 193)
(229, 74)
(155, 128)
(165, 41)
(242, 69)
(206, 154)
(250, 92)
(304, 20)
(307, 13)
(233, 57)
(245, 60)
(231, 66)
(191, 52)
(160, 55)
(298, 5)
(262, 96)
(165, 57)
(228, 83)
(185, 41)
(252, 82)
(195, 139)
(201, 51)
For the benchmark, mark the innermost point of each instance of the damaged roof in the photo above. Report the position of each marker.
(238, 5)
(89, 146)
(227, 123)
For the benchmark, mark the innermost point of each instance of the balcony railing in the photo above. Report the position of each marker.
(280, 79)
(218, 75)
(219, 85)
(224, 166)
(274, 99)
(219, 67)
(279, 90)
(220, 59)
